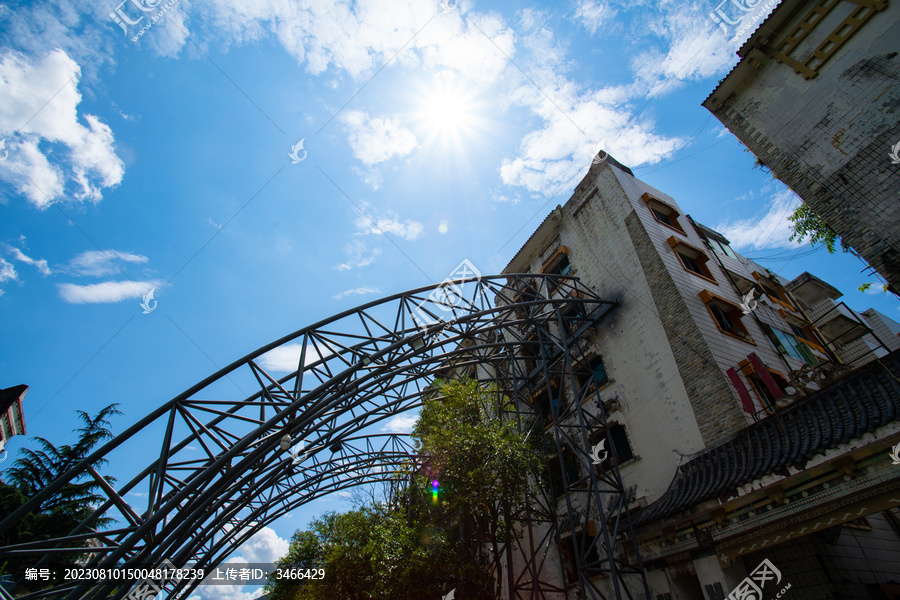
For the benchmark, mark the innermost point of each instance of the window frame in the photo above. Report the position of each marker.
(586, 366)
(614, 456)
(672, 213)
(701, 259)
(586, 534)
(791, 348)
(726, 249)
(550, 266)
(710, 299)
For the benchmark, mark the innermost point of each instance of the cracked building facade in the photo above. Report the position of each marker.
(815, 98)
(745, 426)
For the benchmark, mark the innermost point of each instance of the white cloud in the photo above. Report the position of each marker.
(356, 292)
(402, 423)
(594, 15)
(370, 176)
(358, 37)
(33, 124)
(106, 292)
(358, 252)
(265, 546)
(376, 140)
(7, 271)
(97, 263)
(40, 265)
(223, 592)
(409, 230)
(358, 255)
(553, 157)
(285, 358)
(692, 45)
(770, 230)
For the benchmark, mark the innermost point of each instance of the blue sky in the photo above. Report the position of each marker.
(431, 134)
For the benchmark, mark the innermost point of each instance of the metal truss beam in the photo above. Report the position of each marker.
(220, 474)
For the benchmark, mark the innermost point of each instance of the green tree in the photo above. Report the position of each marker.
(807, 224)
(485, 466)
(381, 551)
(66, 508)
(409, 548)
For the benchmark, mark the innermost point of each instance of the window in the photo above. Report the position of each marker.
(662, 217)
(727, 316)
(548, 402)
(601, 377)
(692, 259)
(762, 392)
(774, 290)
(558, 264)
(553, 476)
(726, 321)
(586, 542)
(721, 247)
(786, 343)
(620, 441)
(800, 332)
(663, 213)
(621, 446)
(593, 373)
(576, 312)
(829, 42)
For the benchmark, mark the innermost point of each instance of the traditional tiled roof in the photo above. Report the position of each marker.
(862, 402)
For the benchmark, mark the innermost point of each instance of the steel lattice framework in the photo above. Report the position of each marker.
(221, 474)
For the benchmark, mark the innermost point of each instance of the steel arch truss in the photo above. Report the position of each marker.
(220, 473)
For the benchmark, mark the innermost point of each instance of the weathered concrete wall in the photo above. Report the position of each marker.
(644, 372)
(829, 138)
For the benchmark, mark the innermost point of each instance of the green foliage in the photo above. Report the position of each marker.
(484, 465)
(806, 223)
(64, 510)
(378, 553)
(409, 548)
(481, 459)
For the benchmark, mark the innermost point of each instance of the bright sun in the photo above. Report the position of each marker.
(447, 110)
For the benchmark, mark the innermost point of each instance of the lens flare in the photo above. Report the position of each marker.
(434, 491)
